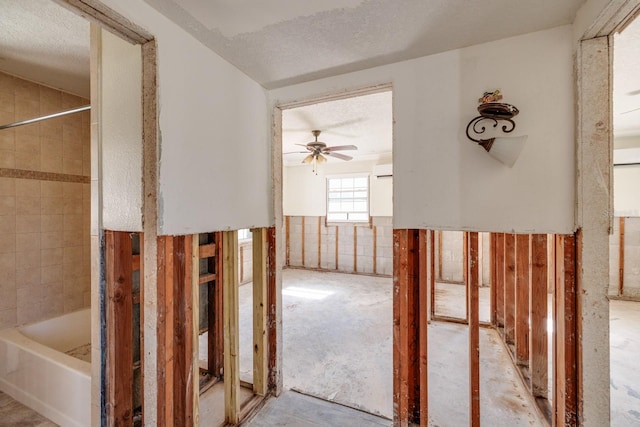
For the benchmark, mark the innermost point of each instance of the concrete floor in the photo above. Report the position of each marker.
(338, 346)
(451, 301)
(625, 374)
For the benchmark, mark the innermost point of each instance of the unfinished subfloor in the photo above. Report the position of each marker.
(338, 346)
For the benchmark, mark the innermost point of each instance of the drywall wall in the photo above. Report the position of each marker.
(213, 122)
(305, 193)
(441, 179)
(626, 190)
(121, 138)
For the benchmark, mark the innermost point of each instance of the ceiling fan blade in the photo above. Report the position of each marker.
(296, 152)
(321, 159)
(303, 145)
(340, 148)
(308, 159)
(338, 156)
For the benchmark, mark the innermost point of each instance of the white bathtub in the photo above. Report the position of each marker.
(35, 370)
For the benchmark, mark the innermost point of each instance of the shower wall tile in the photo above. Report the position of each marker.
(44, 256)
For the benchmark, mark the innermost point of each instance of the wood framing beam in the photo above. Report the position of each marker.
(423, 322)
(176, 360)
(538, 351)
(522, 300)
(231, 326)
(432, 277)
(492, 277)
(260, 304)
(272, 317)
(472, 266)
(509, 287)
(406, 308)
(566, 372)
(119, 310)
(621, 258)
(499, 283)
(215, 336)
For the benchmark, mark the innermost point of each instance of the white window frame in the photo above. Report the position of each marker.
(242, 232)
(364, 221)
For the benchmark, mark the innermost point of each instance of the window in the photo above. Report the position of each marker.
(244, 234)
(348, 199)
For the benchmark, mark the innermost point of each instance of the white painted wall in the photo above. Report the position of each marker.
(626, 190)
(214, 150)
(121, 125)
(305, 194)
(442, 180)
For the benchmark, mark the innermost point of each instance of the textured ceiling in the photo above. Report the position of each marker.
(282, 42)
(363, 121)
(46, 43)
(626, 81)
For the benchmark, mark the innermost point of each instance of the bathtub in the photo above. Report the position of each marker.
(35, 370)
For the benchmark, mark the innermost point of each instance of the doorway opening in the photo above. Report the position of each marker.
(338, 250)
(624, 242)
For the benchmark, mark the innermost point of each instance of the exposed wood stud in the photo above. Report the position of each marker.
(439, 254)
(302, 242)
(119, 312)
(337, 247)
(538, 365)
(509, 287)
(207, 251)
(492, 277)
(216, 316)
(621, 259)
(432, 276)
(375, 250)
(499, 283)
(231, 326)
(195, 329)
(522, 300)
(272, 320)
(565, 376)
(474, 328)
(406, 373)
(241, 263)
(355, 249)
(319, 242)
(423, 291)
(287, 221)
(260, 350)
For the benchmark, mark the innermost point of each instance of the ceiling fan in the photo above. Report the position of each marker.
(318, 150)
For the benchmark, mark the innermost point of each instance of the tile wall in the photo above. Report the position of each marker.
(44, 204)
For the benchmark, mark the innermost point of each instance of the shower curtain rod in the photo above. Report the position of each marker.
(50, 116)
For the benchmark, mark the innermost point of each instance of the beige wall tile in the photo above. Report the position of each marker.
(72, 166)
(8, 298)
(72, 190)
(73, 222)
(72, 238)
(8, 318)
(51, 274)
(26, 109)
(51, 189)
(6, 82)
(8, 138)
(28, 261)
(51, 155)
(52, 205)
(27, 277)
(7, 265)
(50, 100)
(7, 205)
(27, 242)
(50, 240)
(52, 128)
(7, 104)
(51, 256)
(72, 138)
(72, 206)
(27, 188)
(24, 89)
(7, 187)
(52, 223)
(7, 159)
(7, 223)
(27, 161)
(7, 243)
(27, 223)
(28, 205)
(73, 255)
